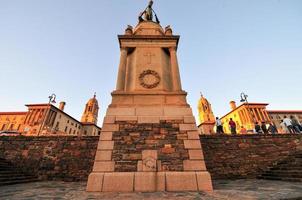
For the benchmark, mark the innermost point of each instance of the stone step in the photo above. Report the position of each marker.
(17, 182)
(2, 179)
(287, 168)
(291, 179)
(283, 174)
(10, 174)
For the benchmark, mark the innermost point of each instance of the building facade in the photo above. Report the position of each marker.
(245, 115)
(12, 121)
(47, 119)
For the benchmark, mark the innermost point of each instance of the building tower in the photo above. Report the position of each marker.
(90, 114)
(149, 140)
(206, 116)
(205, 111)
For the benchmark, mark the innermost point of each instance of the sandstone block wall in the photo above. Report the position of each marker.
(51, 158)
(232, 157)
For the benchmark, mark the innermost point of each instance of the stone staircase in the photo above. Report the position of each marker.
(289, 169)
(10, 175)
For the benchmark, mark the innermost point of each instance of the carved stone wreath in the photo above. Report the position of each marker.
(149, 79)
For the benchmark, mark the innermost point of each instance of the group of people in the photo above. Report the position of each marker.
(291, 125)
(288, 125)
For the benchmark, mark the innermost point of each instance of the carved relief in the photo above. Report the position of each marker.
(149, 79)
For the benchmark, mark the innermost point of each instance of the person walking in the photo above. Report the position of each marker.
(219, 128)
(232, 125)
(263, 128)
(258, 128)
(289, 125)
(295, 123)
(272, 128)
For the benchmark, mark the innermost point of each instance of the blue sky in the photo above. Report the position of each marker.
(70, 48)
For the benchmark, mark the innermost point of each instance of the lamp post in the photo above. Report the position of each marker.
(52, 99)
(244, 97)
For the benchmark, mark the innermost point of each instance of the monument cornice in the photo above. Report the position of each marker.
(147, 39)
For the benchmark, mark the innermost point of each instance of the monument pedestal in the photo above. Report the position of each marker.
(149, 143)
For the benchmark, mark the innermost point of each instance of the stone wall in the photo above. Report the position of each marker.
(133, 138)
(231, 157)
(51, 158)
(71, 158)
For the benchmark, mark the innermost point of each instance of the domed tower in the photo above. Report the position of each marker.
(206, 116)
(205, 111)
(90, 114)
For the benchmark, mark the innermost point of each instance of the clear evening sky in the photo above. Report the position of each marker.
(70, 48)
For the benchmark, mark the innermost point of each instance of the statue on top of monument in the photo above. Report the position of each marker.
(147, 14)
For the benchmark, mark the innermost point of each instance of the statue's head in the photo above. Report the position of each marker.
(150, 3)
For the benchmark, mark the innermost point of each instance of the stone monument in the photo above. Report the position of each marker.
(149, 140)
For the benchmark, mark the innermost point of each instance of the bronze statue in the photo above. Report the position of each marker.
(148, 14)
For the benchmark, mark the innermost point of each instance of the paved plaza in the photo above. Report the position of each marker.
(223, 189)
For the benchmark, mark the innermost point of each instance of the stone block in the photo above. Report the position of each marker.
(110, 127)
(122, 100)
(194, 165)
(187, 127)
(139, 166)
(103, 166)
(95, 182)
(105, 145)
(149, 111)
(169, 118)
(109, 120)
(149, 181)
(192, 144)
(181, 181)
(118, 182)
(120, 112)
(126, 118)
(195, 154)
(189, 120)
(204, 181)
(149, 162)
(176, 100)
(178, 111)
(149, 100)
(106, 136)
(149, 153)
(148, 120)
(193, 135)
(167, 150)
(103, 155)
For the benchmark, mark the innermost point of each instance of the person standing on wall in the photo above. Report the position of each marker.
(284, 127)
(289, 125)
(232, 125)
(263, 128)
(257, 128)
(219, 128)
(272, 128)
(295, 123)
(243, 130)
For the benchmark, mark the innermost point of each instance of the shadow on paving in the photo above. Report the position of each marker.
(223, 189)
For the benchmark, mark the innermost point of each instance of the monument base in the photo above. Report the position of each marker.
(149, 182)
(147, 145)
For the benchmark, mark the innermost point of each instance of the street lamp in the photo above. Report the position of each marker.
(244, 97)
(52, 99)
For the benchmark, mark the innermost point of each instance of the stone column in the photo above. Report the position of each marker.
(120, 85)
(174, 69)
